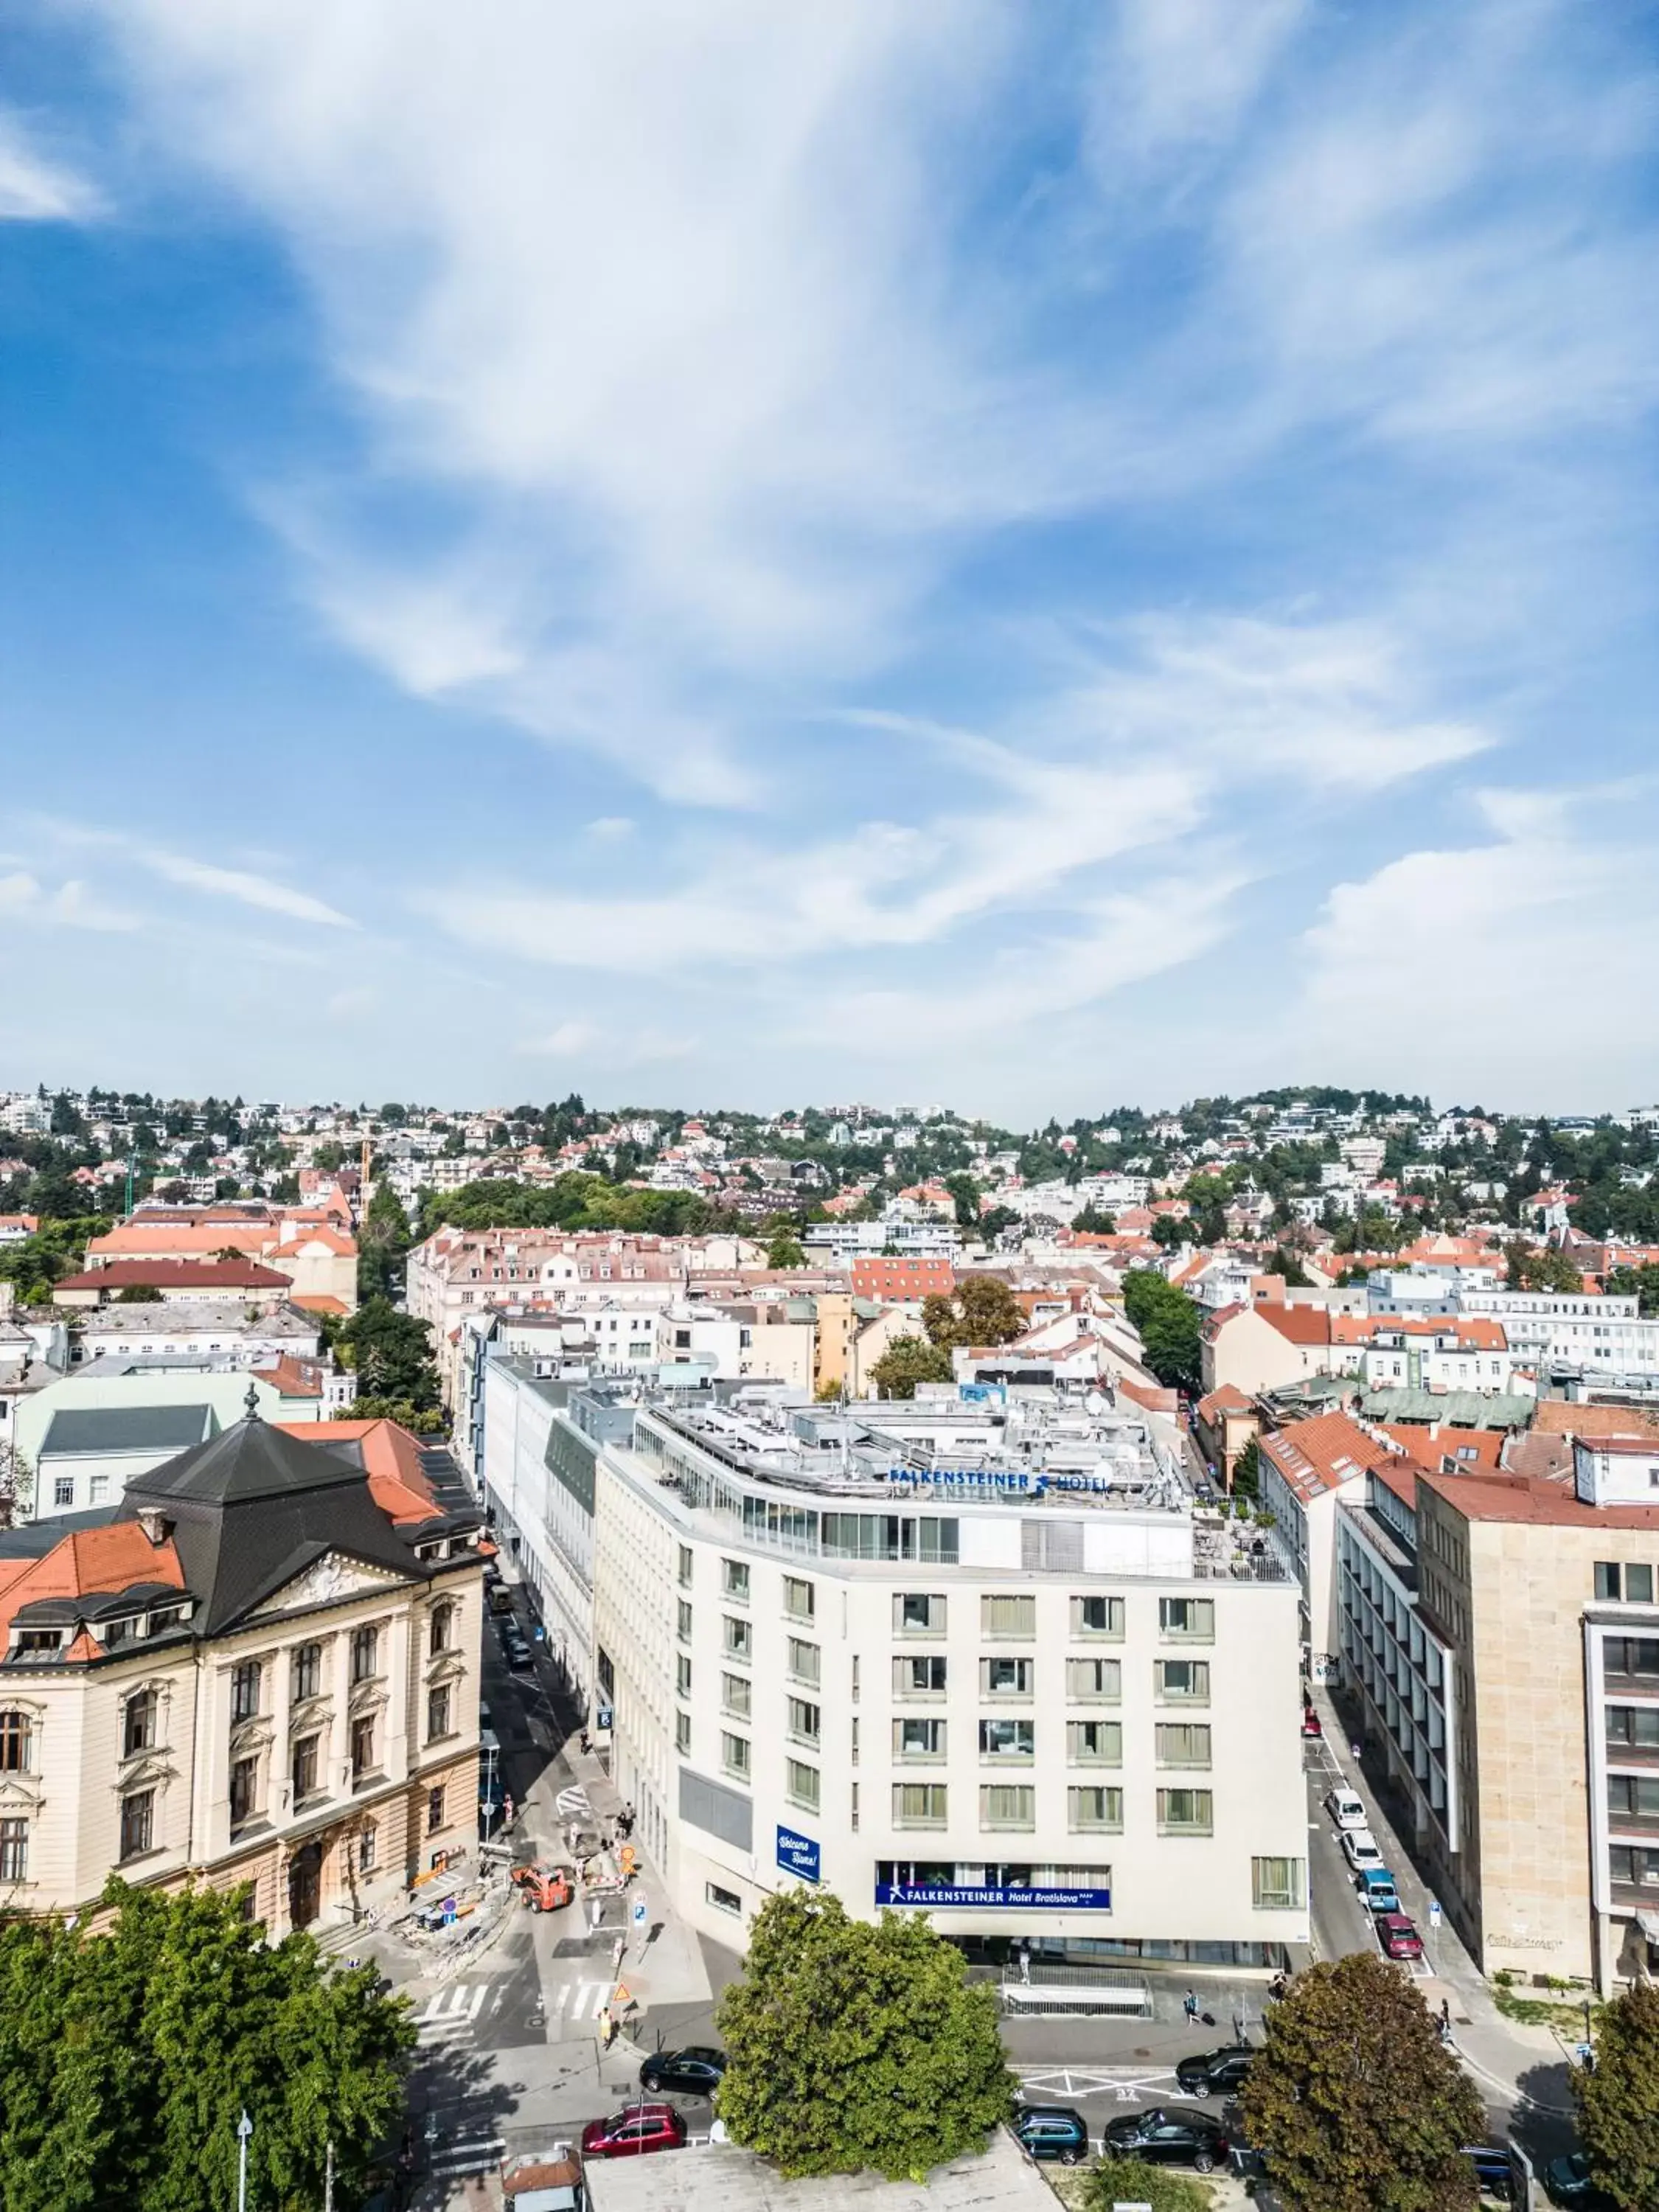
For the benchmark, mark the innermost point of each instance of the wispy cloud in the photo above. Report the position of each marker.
(69, 905)
(239, 884)
(36, 186)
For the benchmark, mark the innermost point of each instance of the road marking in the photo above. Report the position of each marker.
(474, 2156)
(572, 1803)
(448, 2015)
(1127, 2084)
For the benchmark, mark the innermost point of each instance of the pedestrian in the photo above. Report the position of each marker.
(1024, 1955)
(1445, 2019)
(583, 1739)
(607, 2027)
(1189, 2006)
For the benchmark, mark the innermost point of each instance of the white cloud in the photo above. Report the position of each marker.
(1521, 966)
(70, 906)
(36, 186)
(1173, 74)
(237, 883)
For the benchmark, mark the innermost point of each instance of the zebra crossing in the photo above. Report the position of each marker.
(465, 2014)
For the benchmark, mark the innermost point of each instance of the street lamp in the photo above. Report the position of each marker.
(243, 2129)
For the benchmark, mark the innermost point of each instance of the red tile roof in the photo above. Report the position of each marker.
(1535, 1499)
(1228, 1398)
(176, 1274)
(391, 1458)
(1322, 1453)
(112, 1558)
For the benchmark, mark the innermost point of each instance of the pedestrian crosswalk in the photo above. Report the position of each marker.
(450, 2015)
(577, 2001)
(454, 2017)
(477, 2154)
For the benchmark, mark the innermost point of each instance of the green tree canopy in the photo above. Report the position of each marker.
(907, 1361)
(1639, 1282)
(132, 2043)
(1168, 1323)
(983, 1310)
(391, 1353)
(383, 1239)
(1135, 2181)
(785, 1250)
(1619, 2103)
(852, 2046)
(1093, 1222)
(1356, 2103)
(1540, 1268)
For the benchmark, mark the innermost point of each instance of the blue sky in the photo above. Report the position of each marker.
(1028, 557)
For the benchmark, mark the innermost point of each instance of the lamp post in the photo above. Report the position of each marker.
(243, 2129)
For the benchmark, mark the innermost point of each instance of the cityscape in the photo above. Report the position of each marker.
(1161, 1556)
(828, 1109)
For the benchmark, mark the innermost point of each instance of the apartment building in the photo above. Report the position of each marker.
(1503, 1634)
(261, 1667)
(1595, 1333)
(1003, 1671)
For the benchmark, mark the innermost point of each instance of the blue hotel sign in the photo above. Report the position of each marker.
(1016, 1480)
(799, 1854)
(997, 1900)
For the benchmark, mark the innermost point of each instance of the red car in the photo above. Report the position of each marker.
(628, 2134)
(1310, 1722)
(1398, 1936)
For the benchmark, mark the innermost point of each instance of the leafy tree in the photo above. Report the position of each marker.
(132, 2043)
(1619, 2103)
(1639, 1282)
(992, 1224)
(56, 1249)
(983, 1310)
(392, 1355)
(419, 1420)
(785, 1250)
(1356, 2103)
(1168, 1323)
(965, 1195)
(139, 1294)
(1247, 1471)
(907, 1361)
(851, 2046)
(1169, 1230)
(383, 1242)
(1093, 1222)
(1135, 2181)
(1540, 1268)
(1287, 1265)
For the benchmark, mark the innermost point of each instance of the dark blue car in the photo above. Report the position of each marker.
(1053, 2131)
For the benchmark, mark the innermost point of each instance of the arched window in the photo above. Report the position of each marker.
(17, 1743)
(443, 1629)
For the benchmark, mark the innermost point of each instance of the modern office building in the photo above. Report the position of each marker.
(985, 1660)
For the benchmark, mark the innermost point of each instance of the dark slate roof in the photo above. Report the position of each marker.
(34, 1538)
(126, 1428)
(254, 1507)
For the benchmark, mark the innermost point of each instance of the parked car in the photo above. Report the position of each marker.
(696, 2071)
(1345, 1809)
(1215, 2072)
(1169, 2135)
(1376, 1890)
(628, 2134)
(1567, 2181)
(1312, 1724)
(1398, 1935)
(1359, 1847)
(1492, 2167)
(1053, 2131)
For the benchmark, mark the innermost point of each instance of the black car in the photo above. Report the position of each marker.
(1170, 2135)
(1215, 2072)
(1053, 2131)
(696, 2070)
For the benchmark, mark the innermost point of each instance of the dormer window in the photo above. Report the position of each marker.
(34, 1640)
(166, 1617)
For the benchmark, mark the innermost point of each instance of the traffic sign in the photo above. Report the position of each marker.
(641, 1912)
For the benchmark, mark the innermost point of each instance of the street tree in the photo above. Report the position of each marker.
(1356, 2101)
(133, 2040)
(1619, 2103)
(1168, 1324)
(391, 1352)
(383, 1242)
(785, 1250)
(1540, 1268)
(851, 2046)
(907, 1361)
(982, 1312)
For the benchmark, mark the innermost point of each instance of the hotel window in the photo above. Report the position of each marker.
(1186, 1812)
(1007, 1616)
(802, 1663)
(138, 1718)
(1183, 1743)
(799, 1599)
(1007, 1805)
(1278, 1885)
(919, 1805)
(1635, 1725)
(1187, 1619)
(1181, 1681)
(365, 1654)
(1008, 1739)
(800, 1784)
(683, 1733)
(1094, 1743)
(307, 1672)
(803, 1721)
(1627, 1581)
(244, 1791)
(1098, 1616)
(437, 1713)
(304, 1768)
(1094, 1681)
(685, 1622)
(735, 1580)
(734, 1755)
(685, 1566)
(17, 1743)
(735, 1694)
(916, 1613)
(443, 1630)
(434, 1809)
(137, 1823)
(14, 1851)
(363, 1760)
(1093, 1807)
(1633, 1796)
(739, 1639)
(1632, 1654)
(683, 1675)
(913, 1740)
(919, 1678)
(369, 1837)
(1007, 1678)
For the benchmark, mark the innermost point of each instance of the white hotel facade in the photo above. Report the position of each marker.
(1003, 1670)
